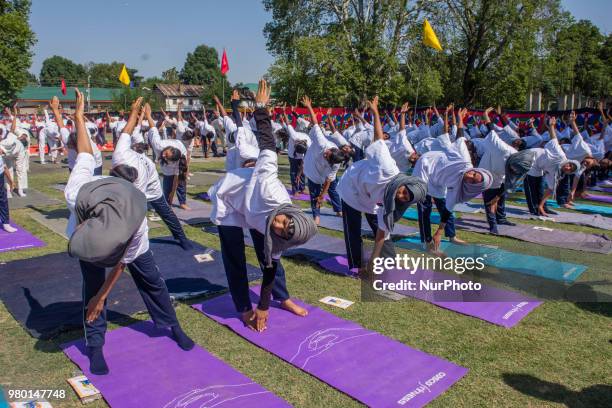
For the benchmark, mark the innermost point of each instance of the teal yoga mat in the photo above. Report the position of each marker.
(506, 260)
(413, 214)
(588, 208)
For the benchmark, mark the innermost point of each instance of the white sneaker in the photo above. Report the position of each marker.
(20, 193)
(9, 228)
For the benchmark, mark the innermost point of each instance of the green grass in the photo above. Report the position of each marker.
(557, 356)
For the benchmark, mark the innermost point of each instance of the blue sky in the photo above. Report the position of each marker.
(154, 35)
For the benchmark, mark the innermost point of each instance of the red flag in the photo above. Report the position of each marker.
(224, 63)
(63, 87)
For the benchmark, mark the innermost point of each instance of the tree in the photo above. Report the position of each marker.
(16, 41)
(55, 68)
(202, 67)
(122, 100)
(364, 36)
(171, 75)
(479, 32)
(105, 75)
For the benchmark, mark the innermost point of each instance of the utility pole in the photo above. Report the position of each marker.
(88, 93)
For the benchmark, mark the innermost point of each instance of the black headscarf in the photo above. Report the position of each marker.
(109, 212)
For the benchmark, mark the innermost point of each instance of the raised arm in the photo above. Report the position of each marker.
(219, 105)
(83, 139)
(373, 106)
(55, 108)
(307, 102)
(262, 118)
(403, 110)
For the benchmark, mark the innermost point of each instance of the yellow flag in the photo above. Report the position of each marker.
(429, 36)
(124, 77)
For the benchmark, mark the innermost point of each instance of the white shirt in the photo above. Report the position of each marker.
(170, 168)
(295, 137)
(547, 161)
(205, 128)
(337, 139)
(11, 145)
(72, 153)
(578, 149)
(81, 174)
(495, 154)
(316, 167)
(245, 197)
(148, 179)
(244, 148)
(400, 150)
(363, 184)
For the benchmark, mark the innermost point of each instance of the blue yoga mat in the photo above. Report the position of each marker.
(413, 214)
(588, 208)
(506, 260)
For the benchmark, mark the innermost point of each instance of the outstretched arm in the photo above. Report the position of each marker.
(83, 139)
(373, 106)
(307, 102)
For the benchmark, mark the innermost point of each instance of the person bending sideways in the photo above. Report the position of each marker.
(126, 158)
(256, 199)
(321, 163)
(451, 179)
(375, 187)
(173, 162)
(108, 228)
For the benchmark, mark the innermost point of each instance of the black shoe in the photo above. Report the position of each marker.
(506, 222)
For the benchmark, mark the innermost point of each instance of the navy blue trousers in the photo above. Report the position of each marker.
(294, 168)
(351, 223)
(500, 213)
(4, 205)
(181, 189)
(534, 192)
(424, 211)
(161, 207)
(315, 190)
(150, 284)
(564, 188)
(234, 262)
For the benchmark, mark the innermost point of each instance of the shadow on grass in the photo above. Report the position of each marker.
(598, 395)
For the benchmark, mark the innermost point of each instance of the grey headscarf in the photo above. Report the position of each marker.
(304, 229)
(109, 212)
(464, 192)
(517, 166)
(393, 209)
(559, 174)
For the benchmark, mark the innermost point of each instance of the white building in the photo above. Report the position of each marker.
(172, 94)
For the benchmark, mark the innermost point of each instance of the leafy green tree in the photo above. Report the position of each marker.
(106, 75)
(16, 41)
(55, 68)
(202, 67)
(171, 75)
(122, 99)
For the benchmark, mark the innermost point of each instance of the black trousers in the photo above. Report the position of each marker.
(500, 213)
(161, 207)
(4, 205)
(234, 262)
(424, 211)
(150, 284)
(564, 188)
(294, 167)
(534, 192)
(351, 222)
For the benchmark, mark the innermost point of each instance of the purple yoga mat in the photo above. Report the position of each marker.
(148, 369)
(604, 189)
(21, 239)
(372, 368)
(599, 197)
(303, 196)
(494, 305)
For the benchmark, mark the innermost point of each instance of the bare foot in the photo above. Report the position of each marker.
(293, 308)
(339, 214)
(184, 207)
(458, 241)
(317, 220)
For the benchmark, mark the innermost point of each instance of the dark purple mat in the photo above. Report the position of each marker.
(148, 369)
(22, 239)
(603, 189)
(599, 197)
(494, 305)
(372, 368)
(556, 238)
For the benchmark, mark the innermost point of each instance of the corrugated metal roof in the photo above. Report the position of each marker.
(45, 93)
(185, 90)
